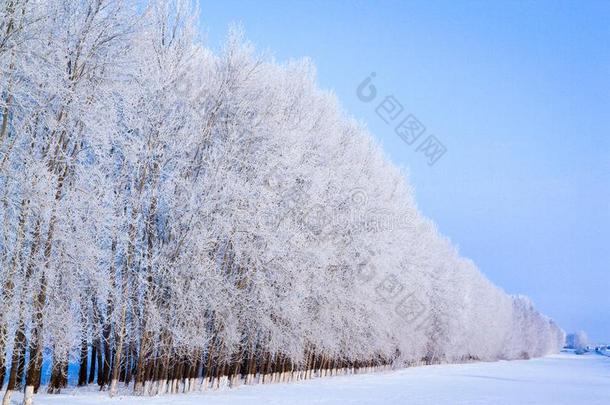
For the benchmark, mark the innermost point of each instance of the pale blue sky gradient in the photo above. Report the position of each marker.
(519, 93)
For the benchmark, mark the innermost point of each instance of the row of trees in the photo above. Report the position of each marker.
(176, 218)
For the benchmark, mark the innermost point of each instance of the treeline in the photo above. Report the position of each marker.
(174, 218)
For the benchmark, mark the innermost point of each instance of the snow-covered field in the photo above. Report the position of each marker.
(560, 379)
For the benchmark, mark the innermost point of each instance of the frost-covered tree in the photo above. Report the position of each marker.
(577, 340)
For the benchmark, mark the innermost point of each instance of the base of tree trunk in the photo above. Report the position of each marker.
(28, 397)
(7, 397)
(114, 387)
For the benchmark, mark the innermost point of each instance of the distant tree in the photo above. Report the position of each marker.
(577, 340)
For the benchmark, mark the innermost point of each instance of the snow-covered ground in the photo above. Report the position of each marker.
(560, 379)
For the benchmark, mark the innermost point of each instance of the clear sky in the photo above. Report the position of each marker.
(519, 94)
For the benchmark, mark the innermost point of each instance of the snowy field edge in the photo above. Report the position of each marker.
(563, 378)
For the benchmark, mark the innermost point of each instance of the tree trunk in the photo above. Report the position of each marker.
(84, 354)
(92, 366)
(57, 370)
(33, 376)
(107, 353)
(36, 339)
(119, 352)
(18, 353)
(7, 291)
(100, 365)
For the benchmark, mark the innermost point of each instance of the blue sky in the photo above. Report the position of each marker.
(519, 94)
